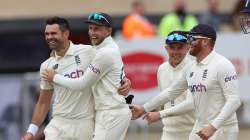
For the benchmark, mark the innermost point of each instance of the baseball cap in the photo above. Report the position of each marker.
(204, 30)
(99, 18)
(176, 37)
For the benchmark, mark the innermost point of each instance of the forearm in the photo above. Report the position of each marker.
(182, 108)
(230, 107)
(86, 81)
(164, 97)
(40, 113)
(42, 107)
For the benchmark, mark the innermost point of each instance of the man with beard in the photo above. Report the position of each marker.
(212, 79)
(176, 127)
(73, 111)
(104, 75)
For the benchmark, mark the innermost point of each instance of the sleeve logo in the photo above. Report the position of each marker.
(230, 78)
(95, 70)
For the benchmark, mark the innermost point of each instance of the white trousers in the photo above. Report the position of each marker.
(112, 124)
(223, 133)
(64, 129)
(166, 135)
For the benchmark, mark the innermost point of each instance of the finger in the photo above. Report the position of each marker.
(145, 117)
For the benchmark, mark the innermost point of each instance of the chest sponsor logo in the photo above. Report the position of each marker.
(74, 74)
(197, 88)
(230, 78)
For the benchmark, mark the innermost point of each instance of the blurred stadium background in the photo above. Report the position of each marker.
(22, 49)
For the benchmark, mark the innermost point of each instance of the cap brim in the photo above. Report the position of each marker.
(245, 10)
(178, 42)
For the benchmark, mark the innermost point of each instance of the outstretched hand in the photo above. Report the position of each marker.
(152, 117)
(137, 112)
(48, 75)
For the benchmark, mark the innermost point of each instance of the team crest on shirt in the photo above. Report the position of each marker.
(55, 66)
(204, 75)
(191, 74)
(77, 60)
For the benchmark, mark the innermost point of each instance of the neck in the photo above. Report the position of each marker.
(61, 52)
(203, 55)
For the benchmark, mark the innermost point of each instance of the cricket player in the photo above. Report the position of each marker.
(73, 111)
(212, 79)
(104, 75)
(177, 127)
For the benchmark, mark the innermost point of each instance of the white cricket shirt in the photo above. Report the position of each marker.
(68, 103)
(166, 75)
(104, 75)
(214, 85)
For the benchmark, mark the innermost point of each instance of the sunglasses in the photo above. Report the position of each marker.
(192, 38)
(97, 17)
(176, 38)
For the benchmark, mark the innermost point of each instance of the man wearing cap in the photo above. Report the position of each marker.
(176, 127)
(73, 111)
(105, 74)
(212, 80)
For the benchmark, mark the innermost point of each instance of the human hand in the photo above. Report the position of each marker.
(137, 112)
(125, 87)
(48, 75)
(207, 132)
(152, 117)
(28, 136)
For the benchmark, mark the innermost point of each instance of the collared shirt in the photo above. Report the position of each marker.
(166, 75)
(68, 103)
(214, 85)
(104, 75)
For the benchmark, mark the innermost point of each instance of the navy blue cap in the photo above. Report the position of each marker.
(99, 18)
(204, 30)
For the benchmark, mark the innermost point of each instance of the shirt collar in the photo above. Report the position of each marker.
(207, 59)
(69, 52)
(106, 41)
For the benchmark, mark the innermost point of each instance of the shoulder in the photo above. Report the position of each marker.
(163, 66)
(84, 49)
(47, 62)
(224, 63)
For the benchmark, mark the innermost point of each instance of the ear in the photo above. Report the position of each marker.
(110, 30)
(66, 34)
(205, 42)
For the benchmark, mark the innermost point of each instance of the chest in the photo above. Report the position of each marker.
(71, 66)
(168, 76)
(202, 79)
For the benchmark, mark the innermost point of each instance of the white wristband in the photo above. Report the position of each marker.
(33, 129)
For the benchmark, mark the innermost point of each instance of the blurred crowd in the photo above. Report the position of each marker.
(136, 25)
